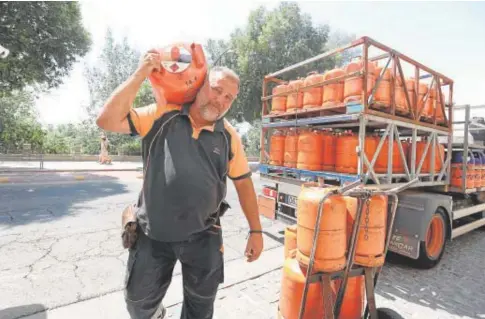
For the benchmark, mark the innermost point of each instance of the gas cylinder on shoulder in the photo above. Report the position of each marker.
(182, 73)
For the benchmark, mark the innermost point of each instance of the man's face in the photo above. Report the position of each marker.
(217, 95)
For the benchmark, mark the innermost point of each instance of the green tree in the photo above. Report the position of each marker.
(44, 39)
(19, 122)
(270, 41)
(117, 61)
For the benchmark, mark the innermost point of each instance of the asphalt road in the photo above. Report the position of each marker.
(60, 248)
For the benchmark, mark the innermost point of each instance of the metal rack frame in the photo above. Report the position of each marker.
(439, 81)
(363, 116)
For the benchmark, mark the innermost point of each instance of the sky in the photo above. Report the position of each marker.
(448, 37)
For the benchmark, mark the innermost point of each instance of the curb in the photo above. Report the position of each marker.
(70, 170)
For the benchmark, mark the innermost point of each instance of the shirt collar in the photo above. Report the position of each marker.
(218, 126)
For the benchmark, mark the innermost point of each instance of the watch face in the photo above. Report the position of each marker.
(180, 59)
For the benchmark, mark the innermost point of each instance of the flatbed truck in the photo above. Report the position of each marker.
(433, 211)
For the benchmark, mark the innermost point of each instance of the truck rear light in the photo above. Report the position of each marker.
(270, 192)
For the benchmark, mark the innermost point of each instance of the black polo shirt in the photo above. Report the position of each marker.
(186, 169)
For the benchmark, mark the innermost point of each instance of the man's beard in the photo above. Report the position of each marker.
(210, 112)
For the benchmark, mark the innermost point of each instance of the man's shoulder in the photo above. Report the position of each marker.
(157, 110)
(230, 129)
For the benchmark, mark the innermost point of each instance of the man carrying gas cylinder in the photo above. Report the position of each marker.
(188, 151)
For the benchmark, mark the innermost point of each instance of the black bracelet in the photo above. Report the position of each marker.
(256, 231)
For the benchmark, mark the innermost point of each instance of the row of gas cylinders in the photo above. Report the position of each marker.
(351, 90)
(324, 150)
(339, 214)
(475, 166)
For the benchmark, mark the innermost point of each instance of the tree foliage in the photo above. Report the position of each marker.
(271, 40)
(44, 39)
(117, 61)
(19, 123)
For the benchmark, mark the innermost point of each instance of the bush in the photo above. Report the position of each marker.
(130, 148)
(252, 141)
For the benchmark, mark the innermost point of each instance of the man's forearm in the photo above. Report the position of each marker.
(120, 102)
(249, 202)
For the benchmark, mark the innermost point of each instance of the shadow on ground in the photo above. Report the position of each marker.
(20, 311)
(51, 199)
(455, 286)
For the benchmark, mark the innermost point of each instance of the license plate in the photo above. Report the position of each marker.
(288, 199)
(404, 245)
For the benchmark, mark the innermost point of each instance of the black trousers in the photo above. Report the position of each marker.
(149, 273)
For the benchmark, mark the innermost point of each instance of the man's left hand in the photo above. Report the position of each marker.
(254, 246)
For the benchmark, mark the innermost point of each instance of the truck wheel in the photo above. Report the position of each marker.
(386, 313)
(431, 250)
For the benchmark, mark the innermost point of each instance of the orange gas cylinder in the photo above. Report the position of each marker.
(480, 162)
(346, 160)
(440, 116)
(277, 148)
(353, 301)
(313, 97)
(429, 105)
(382, 162)
(295, 100)
(478, 158)
(426, 168)
(328, 147)
(372, 231)
(290, 240)
(353, 87)
(333, 93)
(292, 285)
(383, 91)
(291, 148)
(331, 240)
(400, 96)
(183, 72)
(426, 112)
(278, 103)
(310, 150)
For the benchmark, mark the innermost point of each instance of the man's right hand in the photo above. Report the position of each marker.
(150, 61)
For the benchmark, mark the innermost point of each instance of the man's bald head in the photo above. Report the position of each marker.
(223, 72)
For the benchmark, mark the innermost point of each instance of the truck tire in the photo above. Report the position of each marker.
(386, 313)
(431, 250)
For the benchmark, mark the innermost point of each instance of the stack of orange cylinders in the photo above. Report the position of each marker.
(310, 150)
(397, 162)
(353, 87)
(278, 103)
(277, 148)
(313, 97)
(383, 91)
(295, 100)
(291, 148)
(331, 240)
(347, 158)
(400, 95)
(333, 93)
(328, 146)
(290, 240)
(292, 285)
